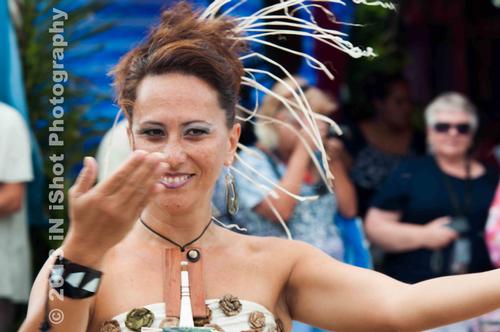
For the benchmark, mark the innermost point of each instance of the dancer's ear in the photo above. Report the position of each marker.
(234, 138)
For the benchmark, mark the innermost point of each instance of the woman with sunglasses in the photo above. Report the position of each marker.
(430, 215)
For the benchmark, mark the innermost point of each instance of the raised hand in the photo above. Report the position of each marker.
(335, 149)
(323, 130)
(102, 215)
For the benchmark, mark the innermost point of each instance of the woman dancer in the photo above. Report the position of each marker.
(179, 89)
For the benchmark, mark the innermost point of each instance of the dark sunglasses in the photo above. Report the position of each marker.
(462, 128)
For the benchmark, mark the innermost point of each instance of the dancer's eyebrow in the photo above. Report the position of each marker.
(185, 124)
(154, 123)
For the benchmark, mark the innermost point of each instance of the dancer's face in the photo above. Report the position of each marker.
(180, 116)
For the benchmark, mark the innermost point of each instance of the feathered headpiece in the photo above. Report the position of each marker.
(282, 19)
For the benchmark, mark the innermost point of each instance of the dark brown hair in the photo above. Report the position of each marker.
(184, 43)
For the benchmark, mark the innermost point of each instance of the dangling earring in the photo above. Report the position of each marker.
(231, 195)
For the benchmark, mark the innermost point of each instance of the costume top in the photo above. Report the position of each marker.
(227, 314)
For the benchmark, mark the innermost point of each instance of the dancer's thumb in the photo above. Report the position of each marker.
(86, 178)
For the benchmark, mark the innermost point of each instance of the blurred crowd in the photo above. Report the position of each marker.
(422, 195)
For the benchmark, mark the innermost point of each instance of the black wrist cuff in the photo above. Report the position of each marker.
(74, 280)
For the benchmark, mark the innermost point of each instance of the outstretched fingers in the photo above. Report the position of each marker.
(132, 185)
(86, 178)
(140, 187)
(124, 173)
(145, 189)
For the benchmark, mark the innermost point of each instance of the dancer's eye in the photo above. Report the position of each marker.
(152, 132)
(196, 132)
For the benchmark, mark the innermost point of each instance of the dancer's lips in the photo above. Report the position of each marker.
(174, 181)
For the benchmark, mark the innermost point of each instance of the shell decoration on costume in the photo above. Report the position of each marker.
(230, 305)
(110, 326)
(257, 320)
(203, 321)
(138, 318)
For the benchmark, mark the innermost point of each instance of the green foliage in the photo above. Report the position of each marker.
(379, 31)
(80, 95)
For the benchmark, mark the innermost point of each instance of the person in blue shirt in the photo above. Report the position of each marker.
(281, 157)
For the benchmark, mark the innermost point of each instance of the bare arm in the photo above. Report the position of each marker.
(76, 313)
(101, 217)
(11, 198)
(385, 229)
(340, 297)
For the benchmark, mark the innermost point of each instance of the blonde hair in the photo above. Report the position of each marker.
(319, 101)
(451, 102)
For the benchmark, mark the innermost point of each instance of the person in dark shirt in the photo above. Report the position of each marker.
(376, 145)
(431, 212)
